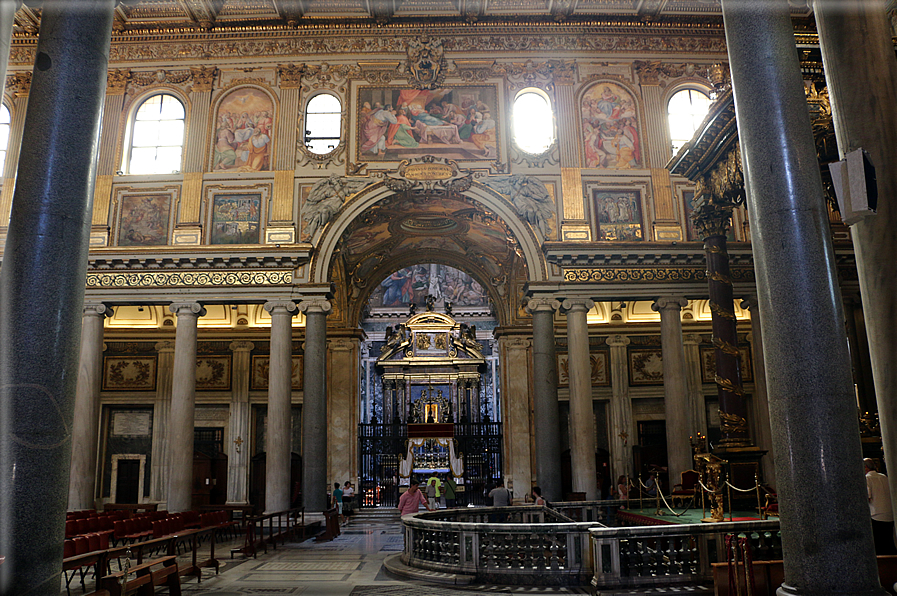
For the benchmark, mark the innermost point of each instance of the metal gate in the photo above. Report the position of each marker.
(381, 447)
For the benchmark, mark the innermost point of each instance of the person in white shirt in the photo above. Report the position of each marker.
(880, 509)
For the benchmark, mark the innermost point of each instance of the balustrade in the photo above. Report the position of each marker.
(673, 554)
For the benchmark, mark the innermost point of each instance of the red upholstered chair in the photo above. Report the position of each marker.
(686, 487)
(771, 503)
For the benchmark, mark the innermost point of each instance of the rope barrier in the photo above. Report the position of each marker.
(742, 490)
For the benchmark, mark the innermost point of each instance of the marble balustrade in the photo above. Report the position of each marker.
(674, 554)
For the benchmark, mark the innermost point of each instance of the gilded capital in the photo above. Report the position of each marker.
(648, 71)
(290, 75)
(21, 83)
(542, 305)
(203, 79)
(117, 81)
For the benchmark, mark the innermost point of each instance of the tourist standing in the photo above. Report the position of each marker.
(348, 498)
(450, 488)
(412, 499)
(336, 500)
(537, 497)
(501, 497)
(623, 488)
(880, 509)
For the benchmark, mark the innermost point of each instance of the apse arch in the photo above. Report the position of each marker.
(492, 201)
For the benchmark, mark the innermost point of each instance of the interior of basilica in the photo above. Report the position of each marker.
(299, 242)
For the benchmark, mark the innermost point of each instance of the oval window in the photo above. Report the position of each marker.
(323, 123)
(685, 111)
(533, 122)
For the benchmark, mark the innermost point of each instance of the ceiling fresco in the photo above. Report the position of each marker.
(411, 229)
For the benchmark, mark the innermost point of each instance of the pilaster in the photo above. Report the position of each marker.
(238, 427)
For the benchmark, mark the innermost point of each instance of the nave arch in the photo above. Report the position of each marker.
(379, 231)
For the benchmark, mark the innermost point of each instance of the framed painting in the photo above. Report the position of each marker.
(261, 369)
(646, 367)
(610, 128)
(244, 131)
(126, 373)
(618, 215)
(144, 219)
(236, 218)
(396, 123)
(213, 373)
(708, 365)
(598, 362)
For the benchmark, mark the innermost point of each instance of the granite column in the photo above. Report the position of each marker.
(760, 413)
(183, 401)
(867, 120)
(582, 415)
(86, 426)
(277, 436)
(675, 387)
(824, 512)
(546, 415)
(42, 289)
(314, 406)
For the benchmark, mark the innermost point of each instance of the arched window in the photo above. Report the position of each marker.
(157, 136)
(685, 111)
(4, 135)
(323, 122)
(533, 121)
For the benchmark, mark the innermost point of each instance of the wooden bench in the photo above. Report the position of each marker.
(331, 527)
(158, 572)
(289, 524)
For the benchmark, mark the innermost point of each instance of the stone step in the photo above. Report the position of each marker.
(394, 565)
(684, 590)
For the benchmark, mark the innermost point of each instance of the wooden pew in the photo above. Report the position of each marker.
(146, 576)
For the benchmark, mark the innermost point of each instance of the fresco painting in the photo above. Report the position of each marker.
(414, 284)
(610, 128)
(619, 215)
(397, 123)
(244, 131)
(144, 220)
(235, 218)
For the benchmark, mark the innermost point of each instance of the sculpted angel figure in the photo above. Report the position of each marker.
(326, 198)
(529, 196)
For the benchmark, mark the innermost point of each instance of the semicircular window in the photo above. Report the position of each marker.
(533, 122)
(323, 122)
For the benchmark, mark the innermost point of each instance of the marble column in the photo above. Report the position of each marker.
(238, 427)
(183, 400)
(620, 408)
(314, 406)
(86, 426)
(582, 415)
(546, 415)
(868, 120)
(161, 413)
(42, 290)
(278, 436)
(697, 405)
(675, 387)
(824, 512)
(760, 413)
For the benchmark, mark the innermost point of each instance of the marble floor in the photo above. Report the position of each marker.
(350, 565)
